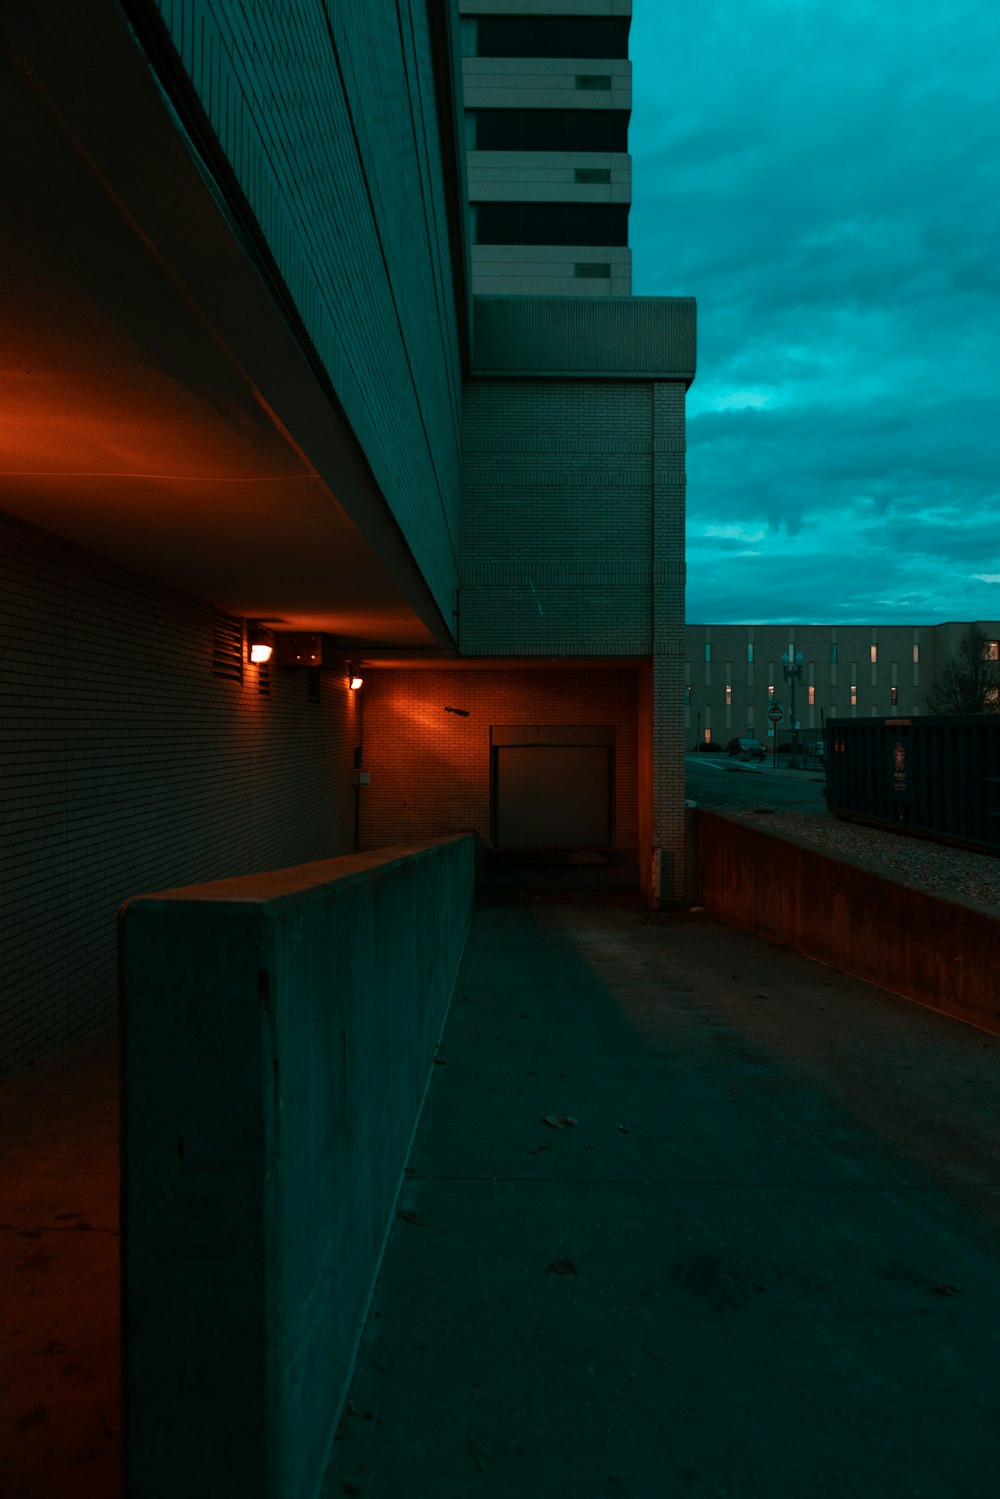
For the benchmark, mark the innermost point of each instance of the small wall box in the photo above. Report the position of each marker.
(302, 648)
(361, 777)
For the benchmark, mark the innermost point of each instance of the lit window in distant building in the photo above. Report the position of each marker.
(894, 695)
(812, 697)
(708, 736)
(833, 654)
(874, 654)
(916, 654)
(992, 695)
(729, 694)
(854, 694)
(750, 652)
(770, 689)
(991, 650)
(708, 650)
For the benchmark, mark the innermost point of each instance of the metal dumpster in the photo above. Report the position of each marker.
(936, 776)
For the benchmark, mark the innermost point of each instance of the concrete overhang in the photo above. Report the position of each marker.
(156, 405)
(435, 661)
(598, 338)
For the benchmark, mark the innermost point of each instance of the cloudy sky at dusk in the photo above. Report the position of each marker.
(826, 181)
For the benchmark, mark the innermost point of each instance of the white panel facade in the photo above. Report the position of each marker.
(524, 176)
(552, 270)
(549, 176)
(547, 83)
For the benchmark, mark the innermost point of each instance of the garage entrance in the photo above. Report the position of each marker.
(552, 786)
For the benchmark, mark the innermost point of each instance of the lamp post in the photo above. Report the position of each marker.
(792, 672)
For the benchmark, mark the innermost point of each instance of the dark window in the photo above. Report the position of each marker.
(551, 130)
(543, 224)
(551, 224)
(551, 36)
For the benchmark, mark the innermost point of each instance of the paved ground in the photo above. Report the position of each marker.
(59, 1377)
(764, 1261)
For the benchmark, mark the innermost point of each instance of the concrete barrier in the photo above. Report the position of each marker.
(278, 1034)
(942, 953)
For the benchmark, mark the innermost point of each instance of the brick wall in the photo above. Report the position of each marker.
(128, 767)
(557, 518)
(573, 544)
(430, 770)
(327, 116)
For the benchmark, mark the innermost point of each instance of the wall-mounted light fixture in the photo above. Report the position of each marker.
(260, 643)
(462, 712)
(354, 677)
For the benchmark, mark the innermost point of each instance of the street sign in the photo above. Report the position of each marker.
(774, 713)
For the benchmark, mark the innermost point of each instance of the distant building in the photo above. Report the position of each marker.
(547, 104)
(734, 672)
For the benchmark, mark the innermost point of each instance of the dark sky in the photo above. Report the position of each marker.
(825, 179)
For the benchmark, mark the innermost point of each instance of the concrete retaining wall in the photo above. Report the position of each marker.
(942, 953)
(278, 1033)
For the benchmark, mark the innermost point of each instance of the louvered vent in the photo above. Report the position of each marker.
(227, 647)
(264, 679)
(313, 678)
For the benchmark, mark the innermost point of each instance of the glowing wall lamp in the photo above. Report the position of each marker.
(354, 677)
(260, 643)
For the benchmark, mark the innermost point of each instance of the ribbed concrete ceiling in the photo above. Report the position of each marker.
(149, 388)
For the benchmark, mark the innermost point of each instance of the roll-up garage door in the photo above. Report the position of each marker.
(553, 794)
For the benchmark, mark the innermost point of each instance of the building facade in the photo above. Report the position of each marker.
(248, 384)
(548, 94)
(733, 673)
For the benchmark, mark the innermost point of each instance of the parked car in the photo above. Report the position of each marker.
(707, 747)
(807, 753)
(746, 749)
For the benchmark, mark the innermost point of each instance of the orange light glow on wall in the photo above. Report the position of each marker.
(260, 644)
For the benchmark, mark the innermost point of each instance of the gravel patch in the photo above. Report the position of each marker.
(934, 867)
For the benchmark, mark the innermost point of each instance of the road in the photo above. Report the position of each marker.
(716, 780)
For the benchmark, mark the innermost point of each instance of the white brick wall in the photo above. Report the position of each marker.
(128, 767)
(557, 479)
(573, 544)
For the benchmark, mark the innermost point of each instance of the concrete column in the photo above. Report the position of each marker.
(668, 655)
